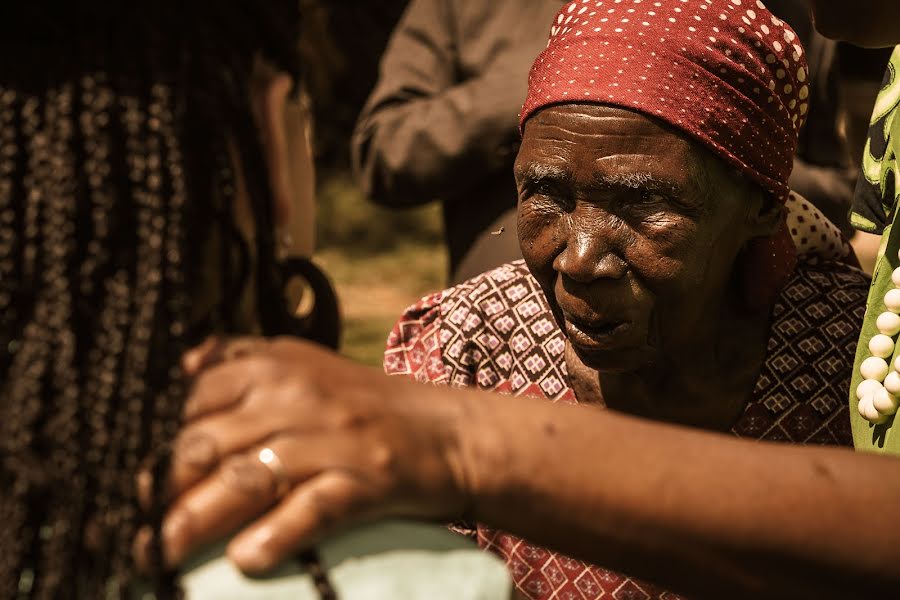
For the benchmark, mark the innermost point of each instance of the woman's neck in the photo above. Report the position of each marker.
(704, 383)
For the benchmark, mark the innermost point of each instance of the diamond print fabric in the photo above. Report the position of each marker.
(495, 332)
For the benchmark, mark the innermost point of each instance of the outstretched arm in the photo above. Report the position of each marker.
(702, 513)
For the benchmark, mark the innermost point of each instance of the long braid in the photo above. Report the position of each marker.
(13, 538)
(113, 158)
(61, 514)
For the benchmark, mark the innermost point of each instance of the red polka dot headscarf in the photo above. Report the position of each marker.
(726, 72)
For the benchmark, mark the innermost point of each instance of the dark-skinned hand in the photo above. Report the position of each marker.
(350, 443)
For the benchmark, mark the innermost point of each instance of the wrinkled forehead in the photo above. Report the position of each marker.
(599, 118)
(617, 141)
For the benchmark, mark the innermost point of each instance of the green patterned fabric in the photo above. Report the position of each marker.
(874, 211)
(389, 560)
(878, 189)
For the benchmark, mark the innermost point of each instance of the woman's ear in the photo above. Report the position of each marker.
(765, 215)
(769, 256)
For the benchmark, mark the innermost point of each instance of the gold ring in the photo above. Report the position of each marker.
(268, 457)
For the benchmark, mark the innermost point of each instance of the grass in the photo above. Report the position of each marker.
(379, 260)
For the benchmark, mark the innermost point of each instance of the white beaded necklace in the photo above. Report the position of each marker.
(879, 392)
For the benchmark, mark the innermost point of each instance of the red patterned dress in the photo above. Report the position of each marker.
(495, 332)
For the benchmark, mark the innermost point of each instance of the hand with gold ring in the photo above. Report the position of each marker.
(297, 441)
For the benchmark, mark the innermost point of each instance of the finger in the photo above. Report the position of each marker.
(222, 386)
(200, 356)
(144, 485)
(141, 550)
(233, 366)
(314, 509)
(156, 464)
(203, 444)
(215, 350)
(239, 490)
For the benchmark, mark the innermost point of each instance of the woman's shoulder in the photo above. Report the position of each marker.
(494, 296)
(826, 281)
(494, 331)
(490, 296)
(826, 298)
(801, 392)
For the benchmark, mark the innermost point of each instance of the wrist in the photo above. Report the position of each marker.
(441, 422)
(479, 456)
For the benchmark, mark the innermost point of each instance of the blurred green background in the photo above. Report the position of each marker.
(380, 261)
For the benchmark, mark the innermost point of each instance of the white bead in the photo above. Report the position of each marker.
(892, 301)
(881, 345)
(863, 406)
(892, 382)
(888, 323)
(874, 368)
(870, 386)
(885, 403)
(895, 276)
(867, 411)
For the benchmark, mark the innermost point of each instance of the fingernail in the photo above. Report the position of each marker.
(197, 449)
(248, 551)
(192, 360)
(144, 484)
(175, 530)
(140, 550)
(189, 361)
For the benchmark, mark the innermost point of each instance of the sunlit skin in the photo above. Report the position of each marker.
(634, 232)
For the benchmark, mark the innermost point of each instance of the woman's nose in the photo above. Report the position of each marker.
(589, 253)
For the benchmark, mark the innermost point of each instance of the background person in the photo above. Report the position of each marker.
(441, 121)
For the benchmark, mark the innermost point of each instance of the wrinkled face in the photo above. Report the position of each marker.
(867, 23)
(631, 230)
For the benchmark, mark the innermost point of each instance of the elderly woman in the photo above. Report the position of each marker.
(668, 271)
(669, 274)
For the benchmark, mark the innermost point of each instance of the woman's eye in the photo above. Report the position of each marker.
(551, 193)
(545, 189)
(653, 197)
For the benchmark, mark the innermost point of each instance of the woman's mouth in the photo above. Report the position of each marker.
(598, 335)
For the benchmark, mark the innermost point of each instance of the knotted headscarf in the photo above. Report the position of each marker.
(728, 73)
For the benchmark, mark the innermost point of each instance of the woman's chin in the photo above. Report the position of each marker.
(615, 360)
(622, 347)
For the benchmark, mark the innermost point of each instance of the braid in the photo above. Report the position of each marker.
(113, 164)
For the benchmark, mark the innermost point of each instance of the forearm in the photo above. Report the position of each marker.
(703, 513)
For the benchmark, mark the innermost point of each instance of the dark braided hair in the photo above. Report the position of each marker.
(116, 120)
